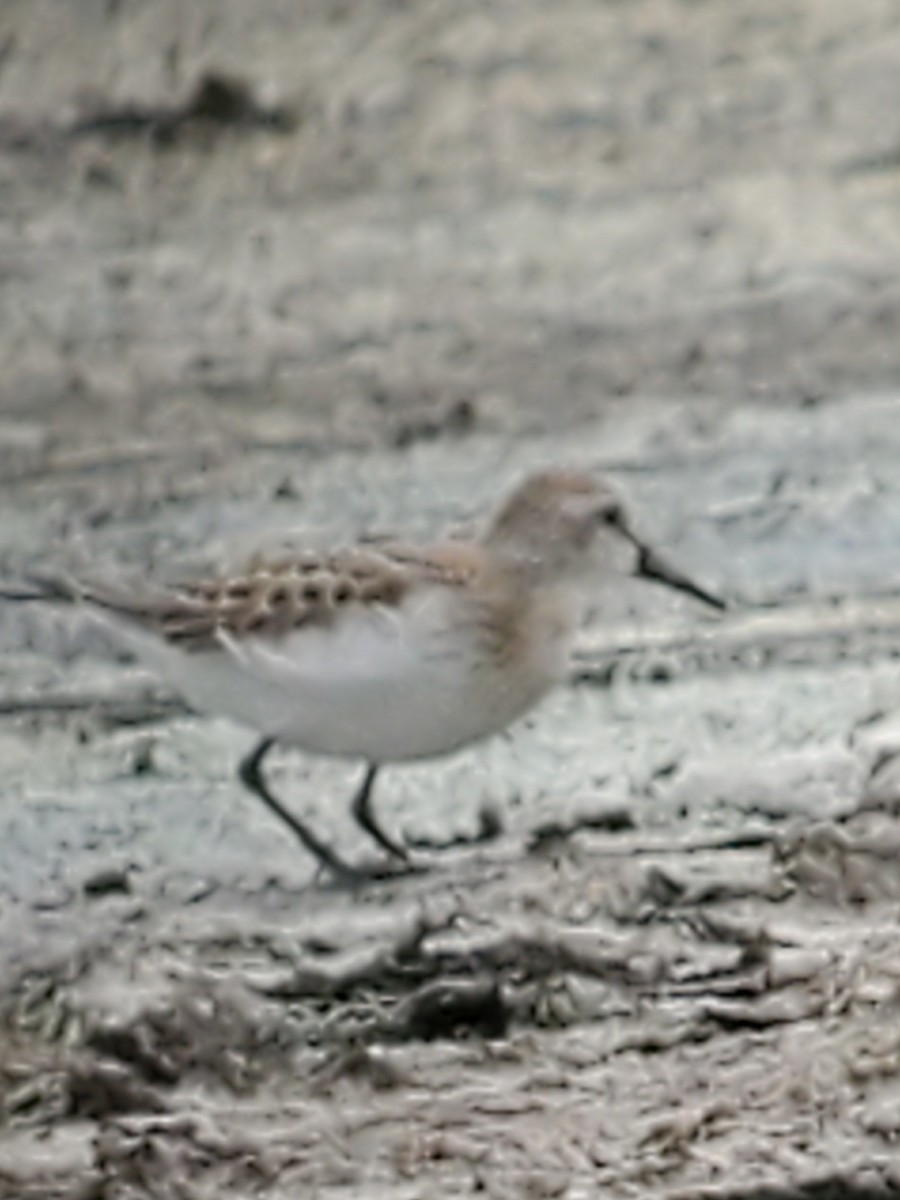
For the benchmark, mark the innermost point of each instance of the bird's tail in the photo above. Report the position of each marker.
(135, 605)
(141, 603)
(49, 587)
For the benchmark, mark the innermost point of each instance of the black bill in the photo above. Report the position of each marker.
(650, 565)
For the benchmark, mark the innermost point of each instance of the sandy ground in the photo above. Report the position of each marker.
(349, 268)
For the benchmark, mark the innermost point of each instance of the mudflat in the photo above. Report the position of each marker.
(278, 271)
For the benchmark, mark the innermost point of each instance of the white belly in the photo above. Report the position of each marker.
(382, 684)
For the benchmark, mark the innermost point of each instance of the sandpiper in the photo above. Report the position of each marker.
(383, 652)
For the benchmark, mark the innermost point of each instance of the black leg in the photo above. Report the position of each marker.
(362, 811)
(251, 775)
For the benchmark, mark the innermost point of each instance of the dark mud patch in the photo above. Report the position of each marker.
(621, 1017)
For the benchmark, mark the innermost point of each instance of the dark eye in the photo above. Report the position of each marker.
(609, 514)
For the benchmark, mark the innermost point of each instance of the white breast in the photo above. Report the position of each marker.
(383, 684)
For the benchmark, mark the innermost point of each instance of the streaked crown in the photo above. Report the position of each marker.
(552, 519)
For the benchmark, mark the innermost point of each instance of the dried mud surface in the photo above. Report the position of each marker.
(348, 268)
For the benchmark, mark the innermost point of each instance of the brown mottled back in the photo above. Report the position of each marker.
(272, 597)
